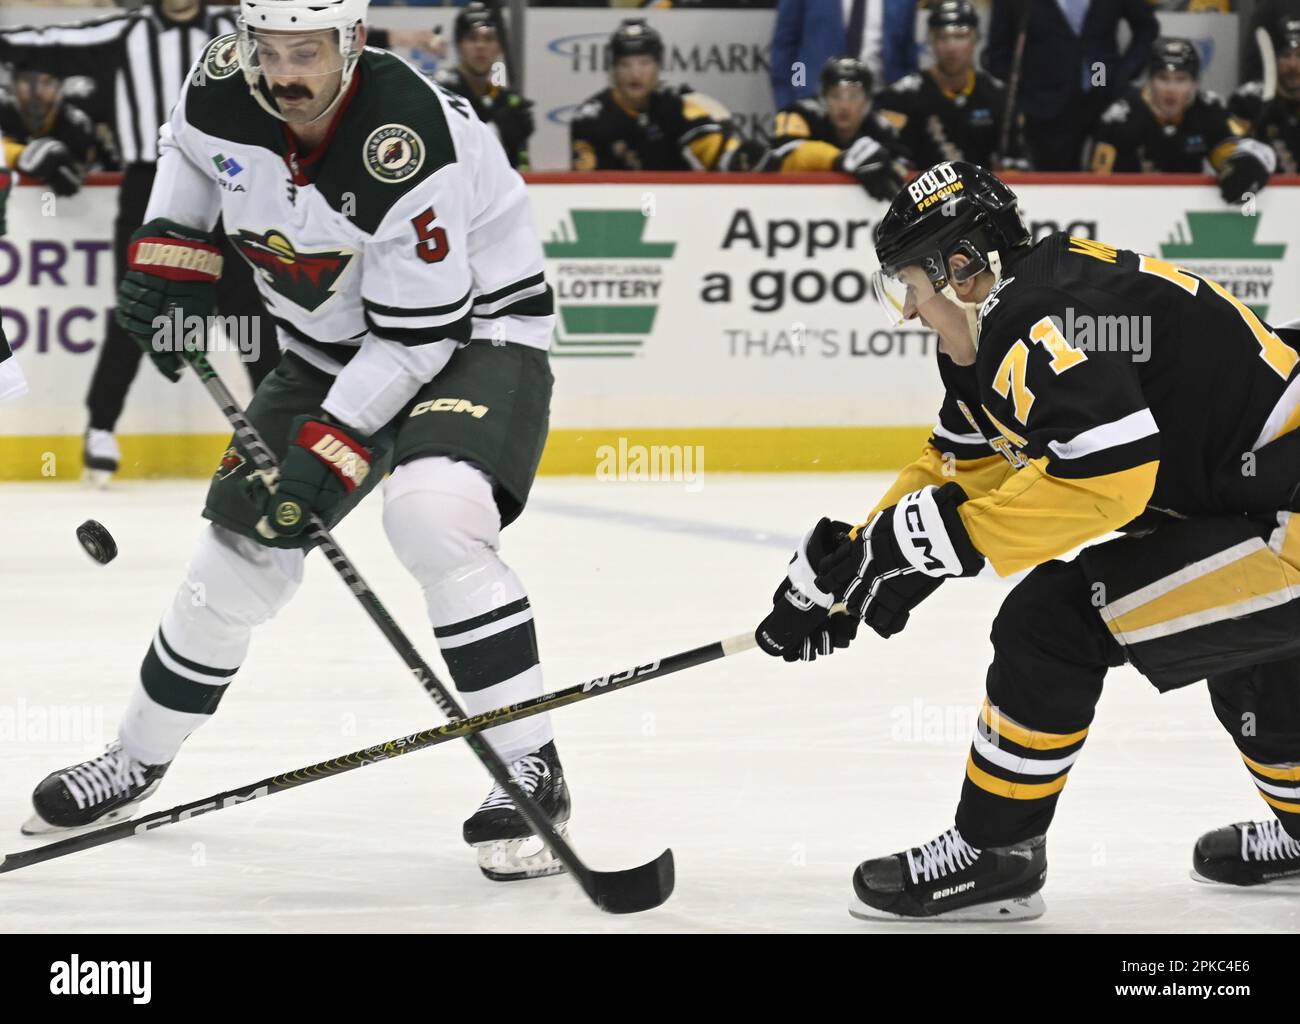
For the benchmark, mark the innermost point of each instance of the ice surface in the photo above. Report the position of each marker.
(769, 781)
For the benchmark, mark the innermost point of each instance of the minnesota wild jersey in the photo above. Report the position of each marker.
(1107, 383)
(402, 236)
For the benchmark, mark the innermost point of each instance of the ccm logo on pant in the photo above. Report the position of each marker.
(451, 405)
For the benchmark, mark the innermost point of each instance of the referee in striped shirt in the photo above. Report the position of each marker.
(149, 52)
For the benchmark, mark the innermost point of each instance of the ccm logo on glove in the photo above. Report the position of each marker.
(928, 549)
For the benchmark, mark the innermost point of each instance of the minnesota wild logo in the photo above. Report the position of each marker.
(304, 278)
(230, 462)
(393, 153)
(222, 58)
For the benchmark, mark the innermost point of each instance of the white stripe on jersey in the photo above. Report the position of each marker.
(1133, 427)
(941, 431)
(137, 79)
(416, 319)
(1286, 406)
(486, 305)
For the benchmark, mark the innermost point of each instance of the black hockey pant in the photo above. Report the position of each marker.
(1216, 598)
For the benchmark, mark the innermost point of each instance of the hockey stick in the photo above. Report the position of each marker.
(1013, 81)
(382, 752)
(618, 892)
(1267, 62)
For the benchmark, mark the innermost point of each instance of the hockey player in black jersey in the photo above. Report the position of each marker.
(839, 131)
(952, 111)
(1275, 121)
(45, 137)
(1171, 125)
(1088, 389)
(640, 123)
(478, 75)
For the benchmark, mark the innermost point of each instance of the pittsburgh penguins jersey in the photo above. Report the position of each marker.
(1131, 138)
(1275, 122)
(680, 130)
(1106, 384)
(65, 122)
(402, 236)
(805, 139)
(936, 124)
(507, 111)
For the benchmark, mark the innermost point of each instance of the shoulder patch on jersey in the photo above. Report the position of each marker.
(221, 60)
(1116, 113)
(1250, 89)
(393, 152)
(394, 135)
(908, 83)
(1211, 97)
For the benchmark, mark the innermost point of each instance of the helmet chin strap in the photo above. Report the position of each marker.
(972, 309)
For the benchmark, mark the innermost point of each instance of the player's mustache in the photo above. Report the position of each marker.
(291, 92)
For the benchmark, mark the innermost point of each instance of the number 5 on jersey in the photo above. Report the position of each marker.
(432, 245)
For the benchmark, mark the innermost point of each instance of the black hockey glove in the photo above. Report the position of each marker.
(874, 166)
(171, 269)
(800, 625)
(899, 558)
(49, 161)
(326, 461)
(513, 118)
(1247, 170)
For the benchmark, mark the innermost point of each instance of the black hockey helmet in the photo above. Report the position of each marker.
(1175, 55)
(954, 207)
(839, 70)
(474, 16)
(48, 60)
(953, 14)
(635, 36)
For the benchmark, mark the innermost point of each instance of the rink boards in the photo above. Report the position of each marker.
(728, 317)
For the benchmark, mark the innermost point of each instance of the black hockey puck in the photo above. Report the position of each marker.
(97, 541)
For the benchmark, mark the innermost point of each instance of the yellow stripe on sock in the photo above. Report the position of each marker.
(1288, 806)
(1291, 773)
(1014, 790)
(1031, 739)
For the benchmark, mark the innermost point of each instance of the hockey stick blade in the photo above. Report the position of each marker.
(633, 890)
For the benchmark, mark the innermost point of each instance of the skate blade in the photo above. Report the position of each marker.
(1286, 882)
(1019, 908)
(98, 478)
(512, 860)
(38, 826)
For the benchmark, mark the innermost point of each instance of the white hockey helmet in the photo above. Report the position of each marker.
(298, 16)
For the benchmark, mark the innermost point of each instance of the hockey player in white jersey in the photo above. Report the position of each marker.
(395, 249)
